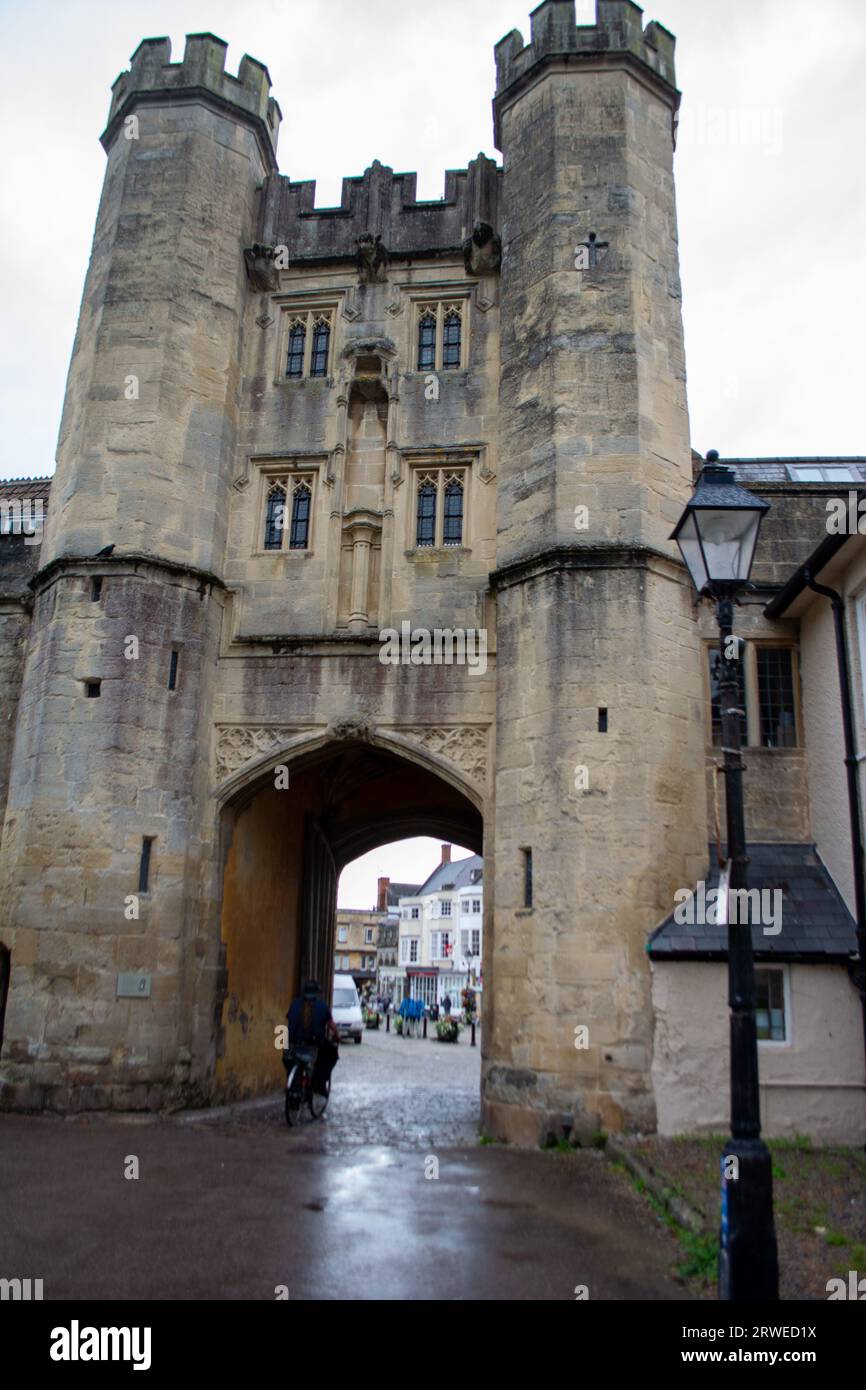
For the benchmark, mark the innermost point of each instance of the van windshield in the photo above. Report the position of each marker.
(345, 998)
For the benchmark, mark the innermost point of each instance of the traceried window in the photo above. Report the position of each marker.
(297, 347)
(439, 508)
(308, 345)
(321, 344)
(427, 341)
(288, 513)
(452, 331)
(440, 336)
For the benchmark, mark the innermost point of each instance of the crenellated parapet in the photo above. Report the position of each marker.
(555, 36)
(380, 203)
(152, 77)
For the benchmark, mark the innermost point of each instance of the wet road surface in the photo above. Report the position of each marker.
(235, 1205)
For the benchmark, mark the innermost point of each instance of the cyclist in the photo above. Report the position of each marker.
(311, 1025)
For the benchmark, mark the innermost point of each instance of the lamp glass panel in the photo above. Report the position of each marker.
(729, 539)
(690, 548)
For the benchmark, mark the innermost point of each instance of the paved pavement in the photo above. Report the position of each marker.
(235, 1204)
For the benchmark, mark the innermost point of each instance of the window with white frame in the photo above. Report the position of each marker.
(288, 510)
(342, 934)
(345, 962)
(771, 1005)
(476, 905)
(476, 941)
(445, 906)
(409, 950)
(440, 335)
(368, 936)
(464, 905)
(415, 913)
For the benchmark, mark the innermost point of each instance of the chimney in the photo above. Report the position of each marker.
(382, 896)
(446, 854)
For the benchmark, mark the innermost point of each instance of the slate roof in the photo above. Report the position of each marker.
(457, 875)
(816, 925)
(396, 891)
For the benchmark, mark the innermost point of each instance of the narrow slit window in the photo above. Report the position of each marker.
(452, 529)
(425, 529)
(172, 669)
(427, 341)
(527, 878)
(451, 339)
(92, 689)
(300, 531)
(275, 517)
(96, 588)
(297, 343)
(144, 864)
(321, 343)
(602, 721)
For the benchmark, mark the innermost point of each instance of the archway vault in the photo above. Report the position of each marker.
(286, 840)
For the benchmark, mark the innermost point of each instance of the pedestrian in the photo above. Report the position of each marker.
(446, 1004)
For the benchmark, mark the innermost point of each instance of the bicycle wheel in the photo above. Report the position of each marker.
(318, 1104)
(294, 1097)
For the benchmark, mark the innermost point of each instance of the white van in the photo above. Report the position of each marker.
(346, 1008)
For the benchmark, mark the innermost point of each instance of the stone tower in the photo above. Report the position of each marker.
(599, 731)
(238, 348)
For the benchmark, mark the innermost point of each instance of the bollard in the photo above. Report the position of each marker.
(425, 1025)
(473, 1032)
(387, 1023)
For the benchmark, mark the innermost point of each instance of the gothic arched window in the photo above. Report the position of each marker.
(425, 525)
(300, 531)
(427, 341)
(297, 341)
(451, 338)
(321, 342)
(452, 523)
(275, 517)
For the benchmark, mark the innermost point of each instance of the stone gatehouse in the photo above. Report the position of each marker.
(287, 431)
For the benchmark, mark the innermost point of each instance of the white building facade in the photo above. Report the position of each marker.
(440, 950)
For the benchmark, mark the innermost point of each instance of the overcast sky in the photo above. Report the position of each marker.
(770, 179)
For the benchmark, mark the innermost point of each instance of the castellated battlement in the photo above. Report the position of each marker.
(380, 203)
(152, 77)
(554, 34)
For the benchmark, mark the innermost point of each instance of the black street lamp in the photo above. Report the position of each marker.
(717, 535)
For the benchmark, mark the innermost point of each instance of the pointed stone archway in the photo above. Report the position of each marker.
(291, 822)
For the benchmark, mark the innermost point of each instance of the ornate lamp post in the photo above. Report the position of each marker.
(717, 535)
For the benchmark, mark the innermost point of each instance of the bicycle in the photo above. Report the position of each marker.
(299, 1063)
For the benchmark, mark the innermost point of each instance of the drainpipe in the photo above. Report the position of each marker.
(858, 975)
